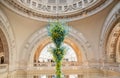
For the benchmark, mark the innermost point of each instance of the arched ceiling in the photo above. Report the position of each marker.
(46, 10)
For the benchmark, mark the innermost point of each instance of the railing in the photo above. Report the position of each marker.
(51, 64)
(77, 65)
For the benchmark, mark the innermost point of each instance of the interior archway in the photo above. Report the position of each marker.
(48, 64)
(93, 37)
(46, 55)
(8, 40)
(67, 41)
(40, 39)
(112, 45)
(111, 21)
(4, 51)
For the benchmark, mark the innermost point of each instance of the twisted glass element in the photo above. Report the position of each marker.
(57, 31)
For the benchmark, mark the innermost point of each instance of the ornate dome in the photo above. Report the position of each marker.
(60, 9)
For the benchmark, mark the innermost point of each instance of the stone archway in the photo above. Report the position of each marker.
(113, 45)
(8, 40)
(4, 47)
(67, 41)
(35, 40)
(111, 20)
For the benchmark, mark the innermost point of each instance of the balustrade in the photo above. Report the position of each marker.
(76, 66)
(51, 64)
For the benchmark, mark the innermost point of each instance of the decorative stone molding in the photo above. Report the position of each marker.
(4, 48)
(34, 41)
(8, 33)
(61, 6)
(112, 42)
(74, 11)
(118, 50)
(110, 21)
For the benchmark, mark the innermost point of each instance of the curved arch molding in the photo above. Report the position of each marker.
(5, 49)
(7, 31)
(17, 7)
(112, 45)
(111, 20)
(68, 41)
(34, 41)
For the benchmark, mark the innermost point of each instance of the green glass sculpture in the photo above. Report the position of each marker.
(57, 31)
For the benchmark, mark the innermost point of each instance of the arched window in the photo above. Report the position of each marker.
(46, 56)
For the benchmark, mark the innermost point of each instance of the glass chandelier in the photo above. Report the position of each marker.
(57, 30)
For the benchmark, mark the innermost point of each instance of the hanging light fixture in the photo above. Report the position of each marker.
(57, 30)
